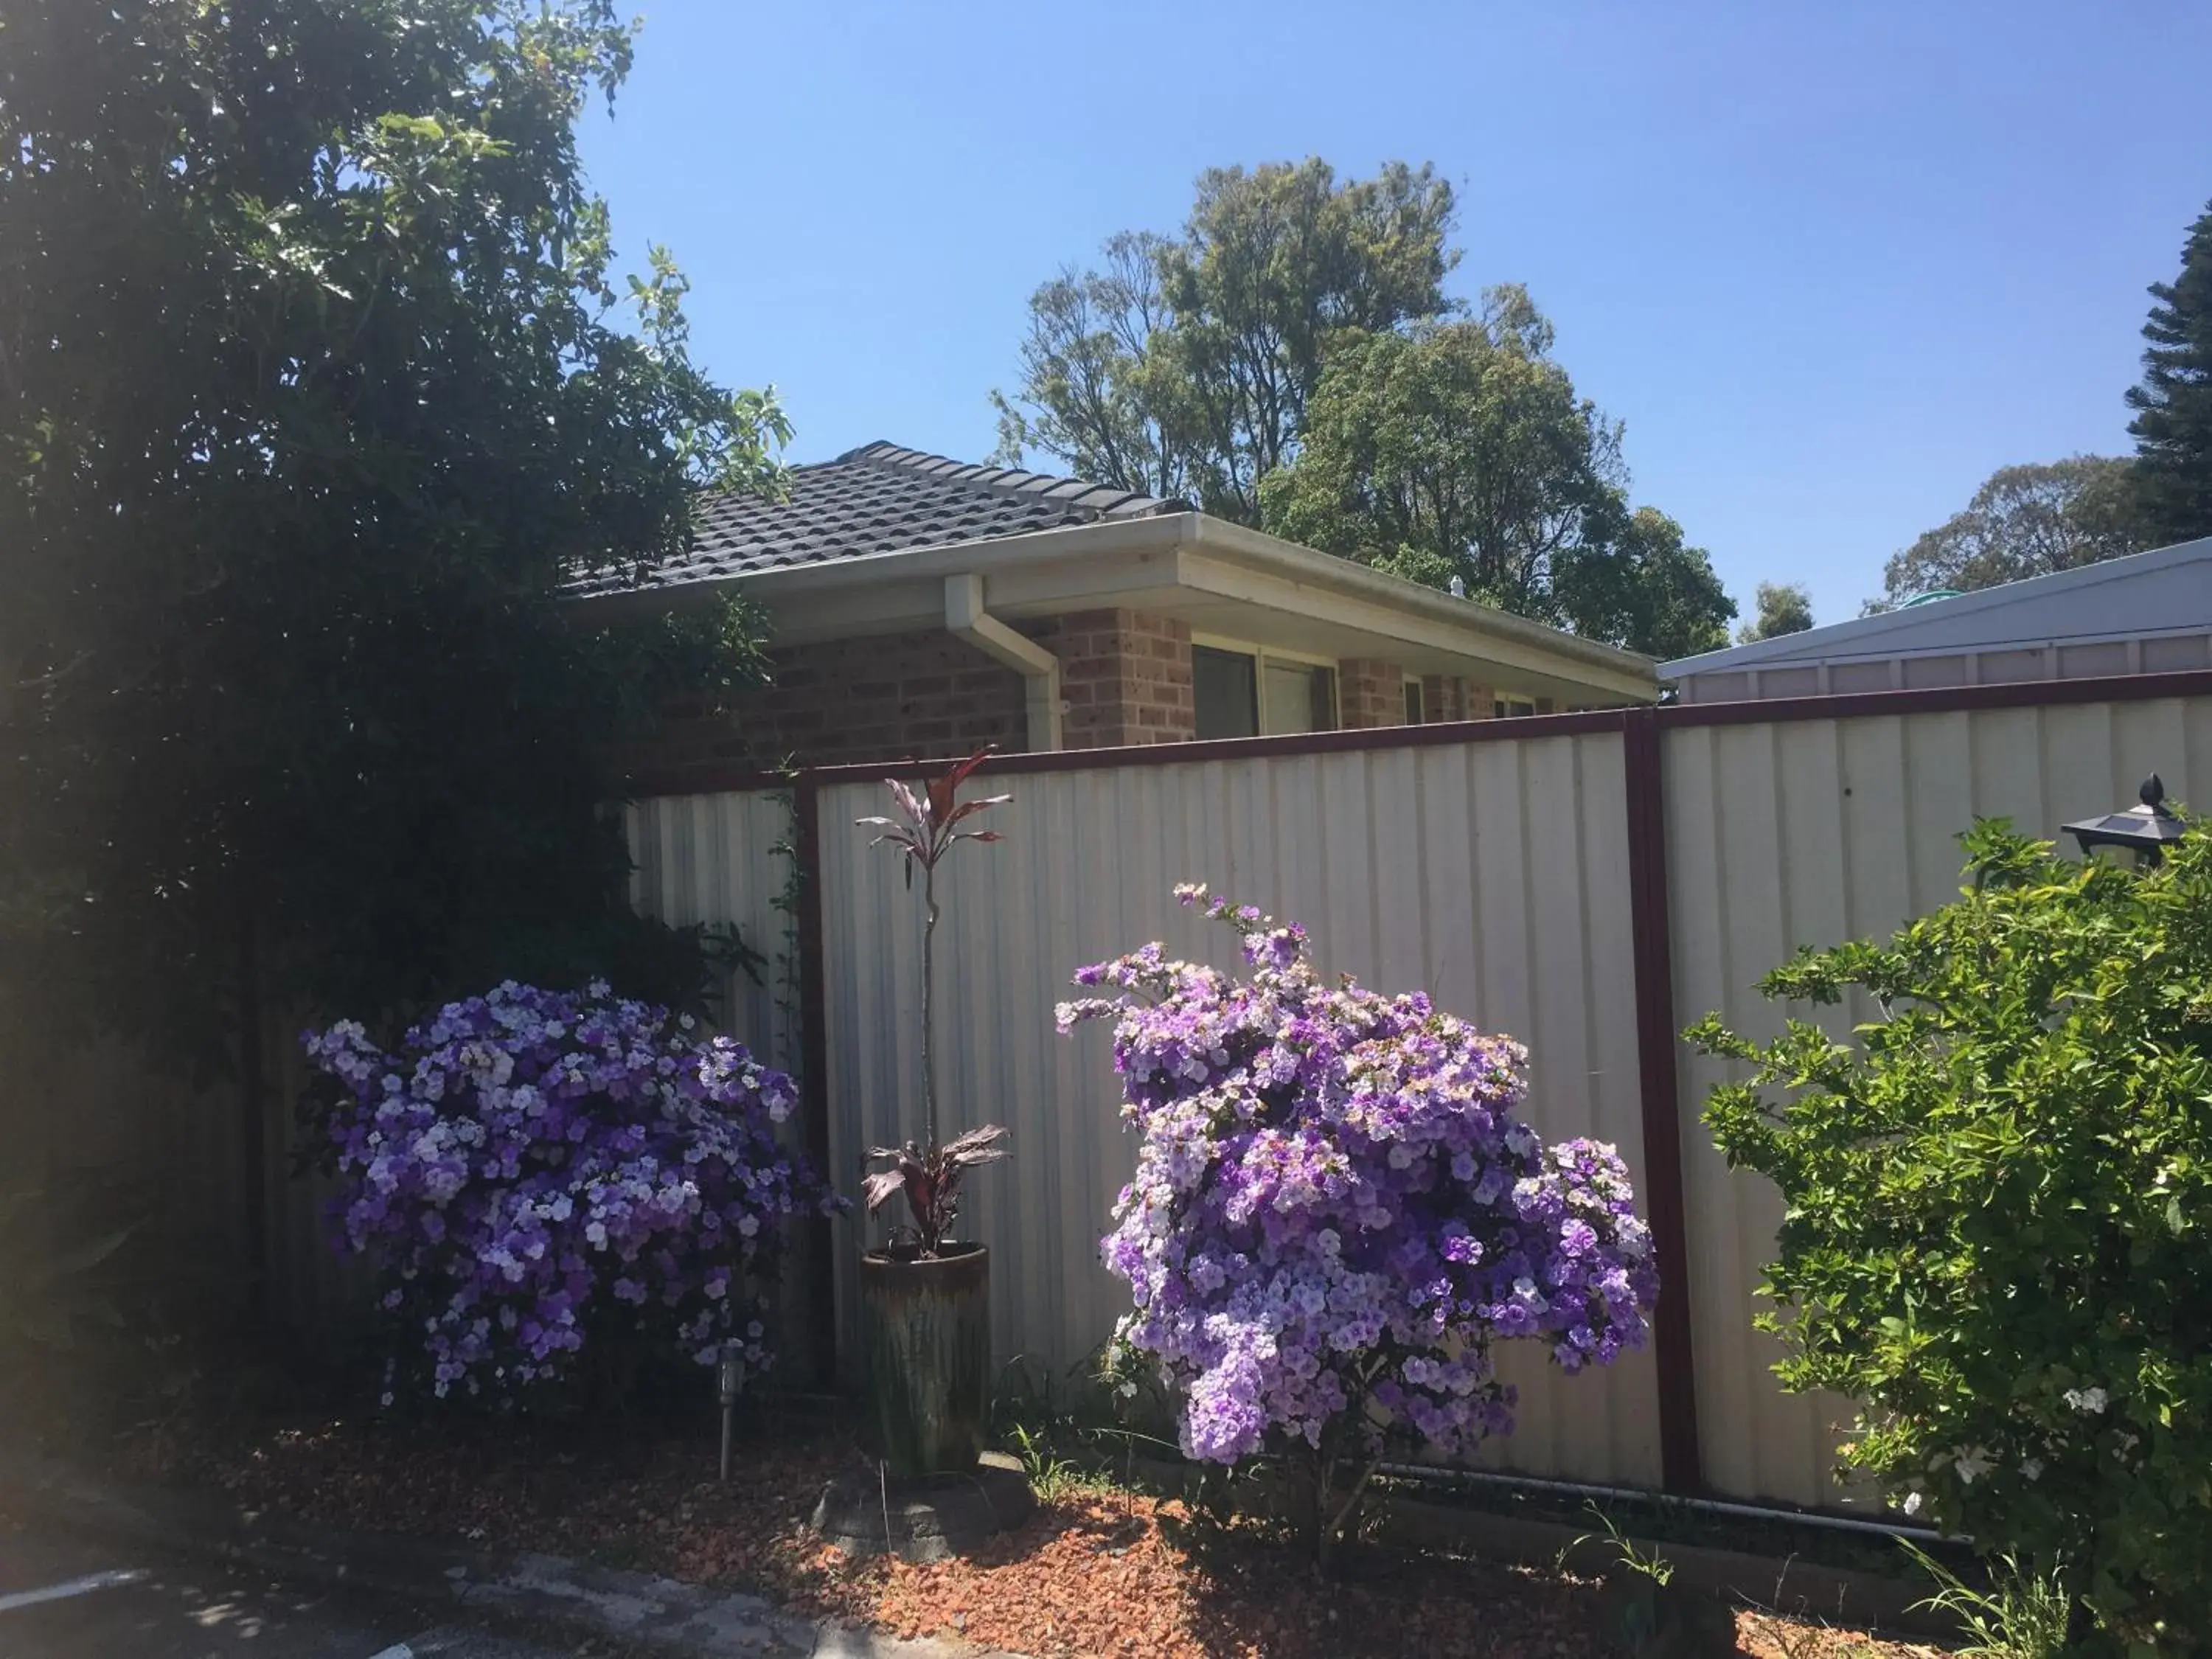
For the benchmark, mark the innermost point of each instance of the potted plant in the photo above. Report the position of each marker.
(924, 1298)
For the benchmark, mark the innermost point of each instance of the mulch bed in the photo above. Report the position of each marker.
(1097, 1573)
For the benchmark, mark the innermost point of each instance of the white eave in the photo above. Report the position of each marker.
(1219, 577)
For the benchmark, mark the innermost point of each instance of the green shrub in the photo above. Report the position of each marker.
(1998, 1231)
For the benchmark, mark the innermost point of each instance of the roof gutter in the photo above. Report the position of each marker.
(966, 618)
(1166, 533)
(1306, 564)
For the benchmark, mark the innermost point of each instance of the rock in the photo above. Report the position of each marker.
(925, 1520)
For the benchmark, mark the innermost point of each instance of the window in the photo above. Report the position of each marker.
(1415, 709)
(1506, 707)
(1296, 698)
(1225, 693)
(1242, 694)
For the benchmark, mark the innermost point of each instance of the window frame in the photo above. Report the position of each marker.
(1262, 655)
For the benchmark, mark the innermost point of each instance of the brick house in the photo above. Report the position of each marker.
(920, 607)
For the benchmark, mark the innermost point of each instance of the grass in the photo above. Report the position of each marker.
(2024, 1614)
(1053, 1478)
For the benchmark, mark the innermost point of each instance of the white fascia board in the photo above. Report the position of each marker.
(1146, 562)
(1322, 584)
(1276, 591)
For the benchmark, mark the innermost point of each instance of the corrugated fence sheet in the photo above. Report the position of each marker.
(1491, 871)
(725, 859)
(176, 1151)
(1794, 832)
(1492, 875)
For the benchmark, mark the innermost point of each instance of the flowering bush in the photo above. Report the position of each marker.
(1334, 1210)
(530, 1169)
(1998, 1200)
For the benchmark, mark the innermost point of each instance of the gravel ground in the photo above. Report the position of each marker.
(1097, 1572)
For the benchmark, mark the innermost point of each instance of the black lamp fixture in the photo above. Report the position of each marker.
(2146, 830)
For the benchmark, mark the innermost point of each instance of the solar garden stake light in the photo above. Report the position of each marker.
(729, 1383)
(2146, 830)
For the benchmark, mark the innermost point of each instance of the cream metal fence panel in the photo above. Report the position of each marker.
(725, 859)
(1493, 874)
(1792, 832)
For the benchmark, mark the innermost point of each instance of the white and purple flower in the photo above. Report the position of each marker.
(1334, 1210)
(528, 1155)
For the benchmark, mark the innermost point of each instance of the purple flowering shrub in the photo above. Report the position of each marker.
(1335, 1210)
(530, 1169)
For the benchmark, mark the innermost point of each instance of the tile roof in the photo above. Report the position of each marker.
(880, 499)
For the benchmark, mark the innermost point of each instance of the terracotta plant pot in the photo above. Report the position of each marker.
(928, 1327)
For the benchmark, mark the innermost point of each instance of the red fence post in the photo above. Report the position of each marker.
(814, 1056)
(1673, 1340)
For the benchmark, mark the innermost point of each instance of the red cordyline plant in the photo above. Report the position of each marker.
(926, 829)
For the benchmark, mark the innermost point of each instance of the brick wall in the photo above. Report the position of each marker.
(1125, 675)
(1452, 698)
(1370, 693)
(924, 697)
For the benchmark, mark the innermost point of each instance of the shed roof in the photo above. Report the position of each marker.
(2166, 591)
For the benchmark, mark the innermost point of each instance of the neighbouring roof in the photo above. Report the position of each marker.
(2167, 589)
(880, 499)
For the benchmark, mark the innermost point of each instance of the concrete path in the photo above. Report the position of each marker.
(89, 1570)
(65, 1598)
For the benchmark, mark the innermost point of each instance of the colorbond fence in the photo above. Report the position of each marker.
(1811, 826)
(1589, 883)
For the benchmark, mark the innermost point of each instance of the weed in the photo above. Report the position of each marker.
(2024, 1614)
(1654, 1566)
(1052, 1479)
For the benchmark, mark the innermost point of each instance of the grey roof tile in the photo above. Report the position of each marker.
(879, 499)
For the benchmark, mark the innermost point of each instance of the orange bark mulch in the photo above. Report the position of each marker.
(1098, 1575)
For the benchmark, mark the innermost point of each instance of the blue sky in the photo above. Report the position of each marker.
(1832, 263)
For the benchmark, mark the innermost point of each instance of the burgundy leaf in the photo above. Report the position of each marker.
(909, 802)
(944, 788)
(975, 1147)
(877, 1189)
(968, 807)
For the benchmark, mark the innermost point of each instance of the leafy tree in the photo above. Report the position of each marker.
(1997, 1192)
(1291, 360)
(1782, 608)
(314, 392)
(2172, 427)
(1184, 367)
(1457, 449)
(1460, 450)
(1646, 591)
(2023, 521)
(1086, 377)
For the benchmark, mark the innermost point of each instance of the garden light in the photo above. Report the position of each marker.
(2146, 830)
(729, 1383)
